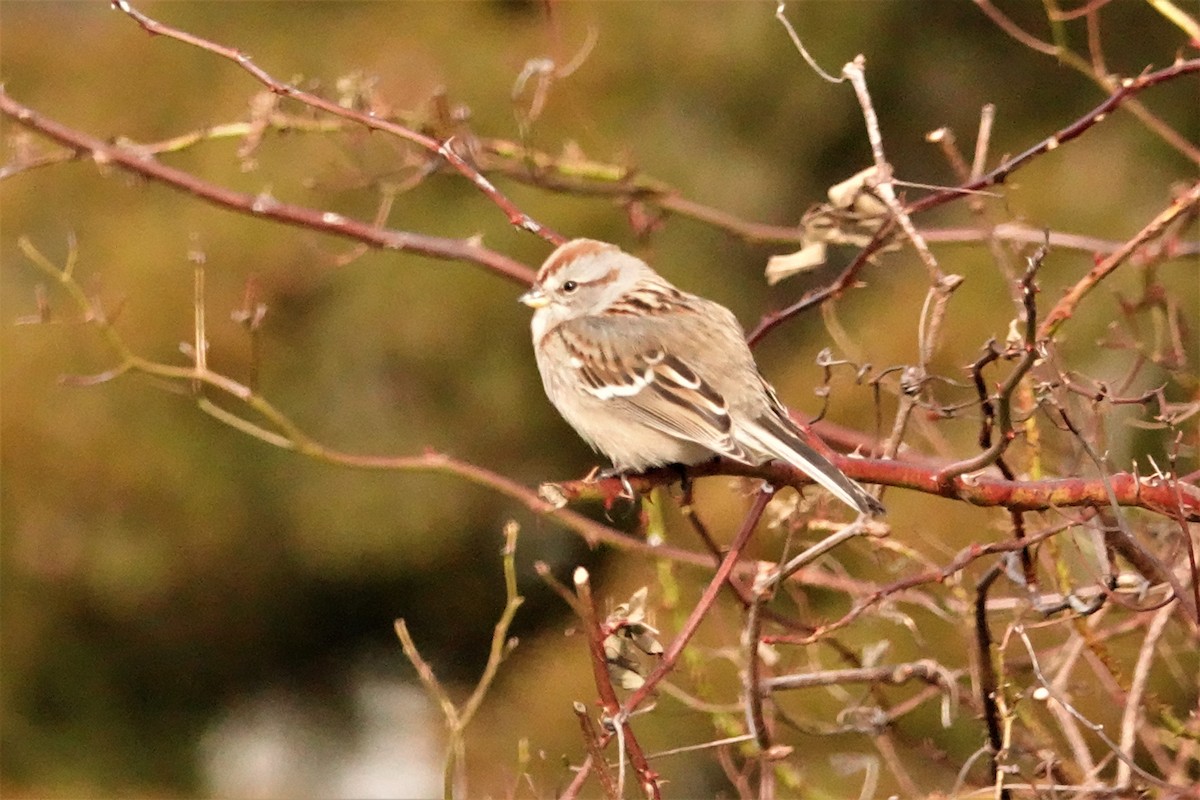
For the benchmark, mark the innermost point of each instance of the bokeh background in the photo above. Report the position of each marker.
(188, 611)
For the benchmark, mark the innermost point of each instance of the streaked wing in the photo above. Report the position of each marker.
(657, 388)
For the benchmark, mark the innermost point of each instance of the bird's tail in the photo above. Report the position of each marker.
(775, 438)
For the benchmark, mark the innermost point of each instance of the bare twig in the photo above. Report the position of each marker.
(1063, 309)
(647, 777)
(1137, 688)
(264, 206)
(884, 185)
(1104, 80)
(1030, 352)
(988, 685)
(1115, 100)
(894, 674)
(279, 430)
(369, 120)
(458, 718)
(667, 663)
(752, 636)
(595, 756)
(1095, 728)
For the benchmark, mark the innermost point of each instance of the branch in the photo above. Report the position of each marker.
(895, 674)
(998, 417)
(762, 498)
(457, 719)
(1096, 729)
(264, 206)
(1129, 88)
(1182, 205)
(988, 685)
(1154, 494)
(671, 656)
(443, 149)
(585, 177)
(773, 319)
(285, 434)
(596, 634)
(1095, 71)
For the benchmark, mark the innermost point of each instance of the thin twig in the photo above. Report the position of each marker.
(367, 119)
(1065, 307)
(458, 718)
(1137, 688)
(1106, 82)
(284, 433)
(1095, 728)
(884, 185)
(667, 663)
(263, 206)
(988, 685)
(894, 674)
(1030, 352)
(596, 635)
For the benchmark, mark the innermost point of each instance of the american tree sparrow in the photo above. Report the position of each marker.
(651, 375)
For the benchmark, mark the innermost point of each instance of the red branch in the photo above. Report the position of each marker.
(1179, 207)
(700, 611)
(1171, 498)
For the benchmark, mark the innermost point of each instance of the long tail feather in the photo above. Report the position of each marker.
(774, 439)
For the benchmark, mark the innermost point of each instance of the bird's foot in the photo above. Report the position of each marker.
(598, 474)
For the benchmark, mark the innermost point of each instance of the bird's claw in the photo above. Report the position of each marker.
(627, 491)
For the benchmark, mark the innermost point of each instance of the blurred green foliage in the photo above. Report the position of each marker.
(157, 566)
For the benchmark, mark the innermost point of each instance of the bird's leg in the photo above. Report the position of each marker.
(685, 480)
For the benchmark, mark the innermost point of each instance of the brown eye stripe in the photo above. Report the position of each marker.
(608, 277)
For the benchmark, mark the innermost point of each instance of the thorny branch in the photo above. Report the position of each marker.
(1185, 205)
(998, 412)
(1156, 494)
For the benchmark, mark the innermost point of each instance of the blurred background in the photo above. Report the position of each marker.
(188, 611)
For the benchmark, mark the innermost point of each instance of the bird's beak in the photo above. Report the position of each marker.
(535, 298)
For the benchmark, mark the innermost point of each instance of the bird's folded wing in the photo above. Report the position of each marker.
(658, 389)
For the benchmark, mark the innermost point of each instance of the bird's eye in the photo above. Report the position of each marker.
(570, 286)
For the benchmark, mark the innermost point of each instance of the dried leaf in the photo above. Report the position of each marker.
(847, 193)
(647, 643)
(805, 259)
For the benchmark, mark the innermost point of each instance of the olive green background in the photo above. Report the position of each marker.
(160, 569)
